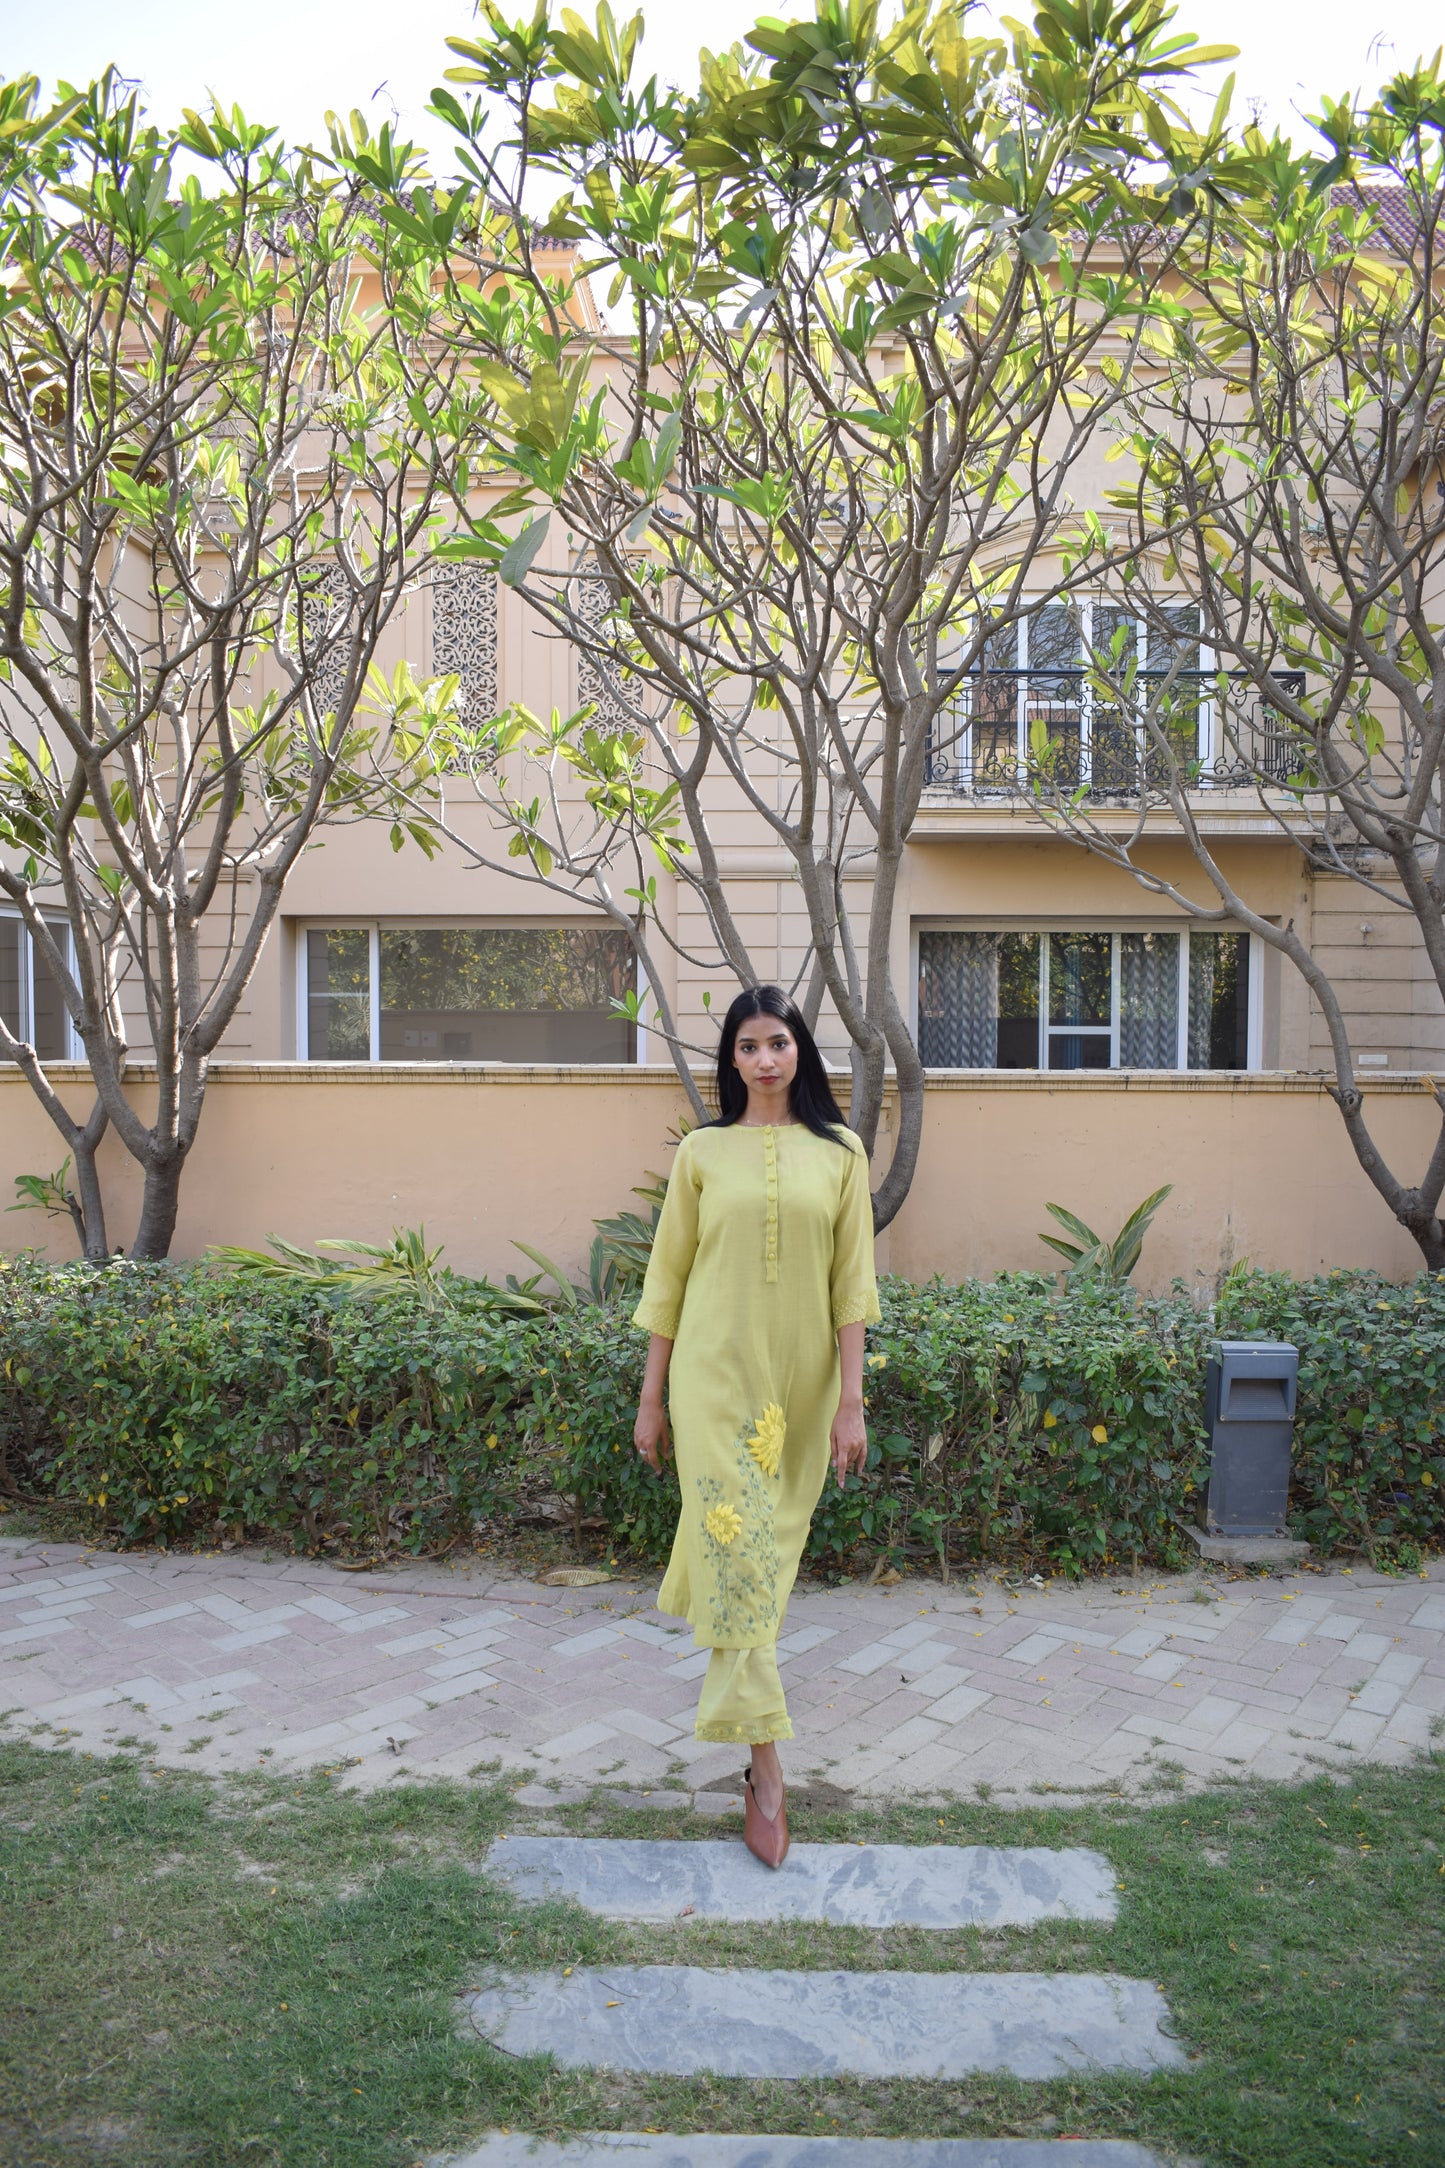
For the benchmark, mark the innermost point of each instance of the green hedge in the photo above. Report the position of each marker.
(1369, 1443)
(172, 1403)
(1009, 1421)
(1006, 1421)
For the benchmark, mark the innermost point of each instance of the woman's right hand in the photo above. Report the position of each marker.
(649, 1434)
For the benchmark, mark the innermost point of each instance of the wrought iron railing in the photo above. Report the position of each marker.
(982, 738)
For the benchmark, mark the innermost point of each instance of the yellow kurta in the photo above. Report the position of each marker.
(764, 1249)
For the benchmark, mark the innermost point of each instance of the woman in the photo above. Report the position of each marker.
(757, 1294)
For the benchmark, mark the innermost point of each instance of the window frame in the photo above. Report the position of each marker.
(63, 931)
(1043, 927)
(344, 922)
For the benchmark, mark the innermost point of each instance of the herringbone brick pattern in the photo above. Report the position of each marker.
(218, 1662)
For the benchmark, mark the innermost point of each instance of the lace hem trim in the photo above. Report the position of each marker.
(758, 1733)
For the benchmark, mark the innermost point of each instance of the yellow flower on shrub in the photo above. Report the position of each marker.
(724, 1524)
(766, 1442)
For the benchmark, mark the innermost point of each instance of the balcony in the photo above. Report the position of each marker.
(980, 749)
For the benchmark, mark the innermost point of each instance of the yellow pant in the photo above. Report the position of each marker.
(742, 1697)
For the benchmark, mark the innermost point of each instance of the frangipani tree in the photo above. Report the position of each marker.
(225, 425)
(881, 288)
(1288, 445)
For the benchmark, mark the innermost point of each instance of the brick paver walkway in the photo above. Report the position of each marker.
(217, 1662)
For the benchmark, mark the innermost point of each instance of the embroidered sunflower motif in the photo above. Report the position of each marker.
(724, 1524)
(766, 1442)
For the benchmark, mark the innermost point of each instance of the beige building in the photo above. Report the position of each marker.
(1020, 951)
(1086, 1046)
(1051, 996)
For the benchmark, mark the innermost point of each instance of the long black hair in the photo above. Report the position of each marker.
(810, 1095)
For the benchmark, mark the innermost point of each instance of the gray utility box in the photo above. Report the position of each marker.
(1249, 1399)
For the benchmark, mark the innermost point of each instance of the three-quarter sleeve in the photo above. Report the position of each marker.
(673, 1248)
(853, 1283)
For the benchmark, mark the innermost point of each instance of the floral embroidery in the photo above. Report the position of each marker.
(739, 1541)
(724, 1524)
(766, 1442)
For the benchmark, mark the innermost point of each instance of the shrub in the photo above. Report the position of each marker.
(1369, 1444)
(175, 1402)
(587, 1417)
(1006, 1421)
(1011, 1421)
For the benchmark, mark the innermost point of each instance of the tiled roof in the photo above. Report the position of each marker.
(1388, 204)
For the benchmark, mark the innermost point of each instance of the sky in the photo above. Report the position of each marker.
(287, 61)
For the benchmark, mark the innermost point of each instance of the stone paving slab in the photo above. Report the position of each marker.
(650, 2149)
(685, 2019)
(874, 1885)
(220, 1662)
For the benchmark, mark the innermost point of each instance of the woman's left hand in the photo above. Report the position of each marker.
(849, 1440)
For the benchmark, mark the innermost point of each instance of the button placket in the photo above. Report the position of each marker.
(770, 1166)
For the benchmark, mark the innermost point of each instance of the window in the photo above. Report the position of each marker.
(465, 993)
(1079, 999)
(338, 993)
(1035, 672)
(31, 1003)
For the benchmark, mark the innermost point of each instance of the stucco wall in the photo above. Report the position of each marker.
(1260, 1165)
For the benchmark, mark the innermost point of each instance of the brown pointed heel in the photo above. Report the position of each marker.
(766, 1839)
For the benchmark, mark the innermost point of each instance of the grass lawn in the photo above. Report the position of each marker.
(262, 1971)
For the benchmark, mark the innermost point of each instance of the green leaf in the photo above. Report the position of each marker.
(553, 1272)
(518, 556)
(1037, 245)
(1074, 1224)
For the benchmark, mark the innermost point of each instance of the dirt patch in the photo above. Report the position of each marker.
(102, 2135)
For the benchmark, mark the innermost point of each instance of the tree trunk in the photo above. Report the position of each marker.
(1417, 1209)
(88, 1209)
(159, 1206)
(892, 1191)
(1428, 1232)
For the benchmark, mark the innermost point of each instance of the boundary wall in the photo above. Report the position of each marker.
(482, 1154)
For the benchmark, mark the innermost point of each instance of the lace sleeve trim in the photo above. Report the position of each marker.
(656, 1317)
(855, 1310)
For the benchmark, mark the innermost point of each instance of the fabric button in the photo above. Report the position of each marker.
(770, 1169)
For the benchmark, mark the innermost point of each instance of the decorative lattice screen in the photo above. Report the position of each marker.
(602, 684)
(464, 636)
(325, 639)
